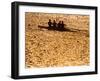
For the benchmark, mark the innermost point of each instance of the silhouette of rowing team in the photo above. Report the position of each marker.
(56, 26)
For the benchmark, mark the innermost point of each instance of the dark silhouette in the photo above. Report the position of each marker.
(59, 25)
(54, 24)
(50, 23)
(62, 24)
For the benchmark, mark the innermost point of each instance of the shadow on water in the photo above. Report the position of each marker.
(56, 29)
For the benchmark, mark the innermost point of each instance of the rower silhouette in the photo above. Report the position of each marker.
(62, 24)
(54, 24)
(50, 23)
